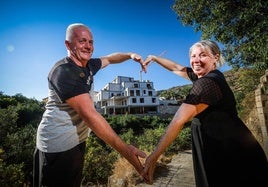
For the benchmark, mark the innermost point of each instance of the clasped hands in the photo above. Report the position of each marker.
(146, 170)
(144, 63)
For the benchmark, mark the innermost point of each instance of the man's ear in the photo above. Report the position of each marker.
(67, 44)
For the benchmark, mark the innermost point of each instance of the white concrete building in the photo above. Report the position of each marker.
(124, 95)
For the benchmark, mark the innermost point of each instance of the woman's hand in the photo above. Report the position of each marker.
(147, 62)
(148, 171)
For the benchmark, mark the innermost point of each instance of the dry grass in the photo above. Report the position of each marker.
(123, 171)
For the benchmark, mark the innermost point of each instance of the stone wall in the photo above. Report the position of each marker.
(261, 96)
(257, 120)
(163, 109)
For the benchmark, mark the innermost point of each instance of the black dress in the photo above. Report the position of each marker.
(225, 153)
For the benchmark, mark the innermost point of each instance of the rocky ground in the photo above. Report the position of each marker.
(177, 173)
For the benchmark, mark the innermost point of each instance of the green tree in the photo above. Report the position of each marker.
(241, 26)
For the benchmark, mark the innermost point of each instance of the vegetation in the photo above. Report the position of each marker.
(244, 82)
(19, 117)
(141, 131)
(241, 26)
(179, 93)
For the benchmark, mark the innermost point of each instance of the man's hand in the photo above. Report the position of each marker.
(139, 59)
(133, 157)
(147, 62)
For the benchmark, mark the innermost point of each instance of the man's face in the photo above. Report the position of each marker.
(81, 46)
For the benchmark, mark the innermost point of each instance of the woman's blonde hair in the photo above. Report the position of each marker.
(212, 47)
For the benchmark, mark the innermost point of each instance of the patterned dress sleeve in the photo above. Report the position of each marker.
(193, 77)
(205, 91)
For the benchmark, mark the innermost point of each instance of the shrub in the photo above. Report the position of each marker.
(182, 142)
(99, 160)
(11, 175)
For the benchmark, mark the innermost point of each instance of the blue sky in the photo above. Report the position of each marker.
(32, 37)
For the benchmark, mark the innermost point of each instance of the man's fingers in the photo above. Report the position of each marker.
(141, 154)
(138, 152)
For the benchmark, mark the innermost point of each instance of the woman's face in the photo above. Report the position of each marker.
(202, 61)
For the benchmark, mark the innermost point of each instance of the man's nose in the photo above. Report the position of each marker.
(88, 45)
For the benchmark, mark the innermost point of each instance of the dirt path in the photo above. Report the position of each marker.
(178, 173)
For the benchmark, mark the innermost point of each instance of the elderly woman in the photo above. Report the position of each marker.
(225, 153)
